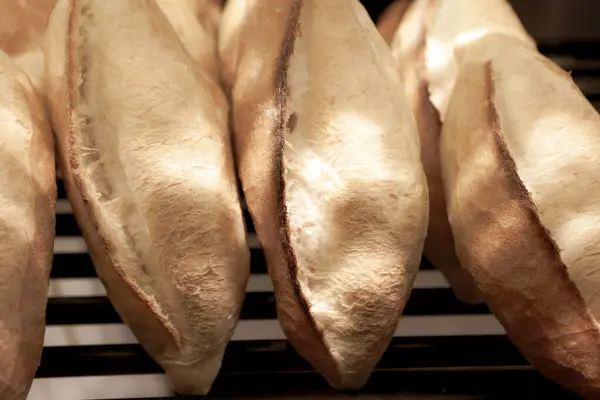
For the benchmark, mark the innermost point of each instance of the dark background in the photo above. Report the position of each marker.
(547, 20)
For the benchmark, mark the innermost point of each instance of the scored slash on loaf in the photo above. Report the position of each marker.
(518, 160)
(144, 152)
(328, 156)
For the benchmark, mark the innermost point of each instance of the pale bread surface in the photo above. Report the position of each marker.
(144, 151)
(328, 156)
(27, 204)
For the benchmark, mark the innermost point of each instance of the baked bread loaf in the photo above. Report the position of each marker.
(518, 151)
(22, 27)
(519, 148)
(423, 35)
(27, 204)
(145, 155)
(328, 156)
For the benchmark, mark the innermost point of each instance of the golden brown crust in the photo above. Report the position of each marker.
(304, 332)
(26, 231)
(503, 243)
(362, 276)
(391, 18)
(22, 24)
(22, 27)
(149, 322)
(179, 284)
(439, 243)
(260, 165)
(282, 93)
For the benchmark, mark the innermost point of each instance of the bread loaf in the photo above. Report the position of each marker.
(145, 156)
(423, 41)
(22, 27)
(27, 204)
(328, 156)
(518, 155)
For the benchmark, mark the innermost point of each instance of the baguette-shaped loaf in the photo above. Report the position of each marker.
(520, 154)
(145, 154)
(27, 204)
(425, 37)
(22, 27)
(518, 146)
(328, 155)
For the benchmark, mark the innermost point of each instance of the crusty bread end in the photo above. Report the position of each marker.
(27, 204)
(329, 160)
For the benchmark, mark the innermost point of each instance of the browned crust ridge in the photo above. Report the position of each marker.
(502, 241)
(148, 323)
(312, 347)
(32, 300)
(391, 18)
